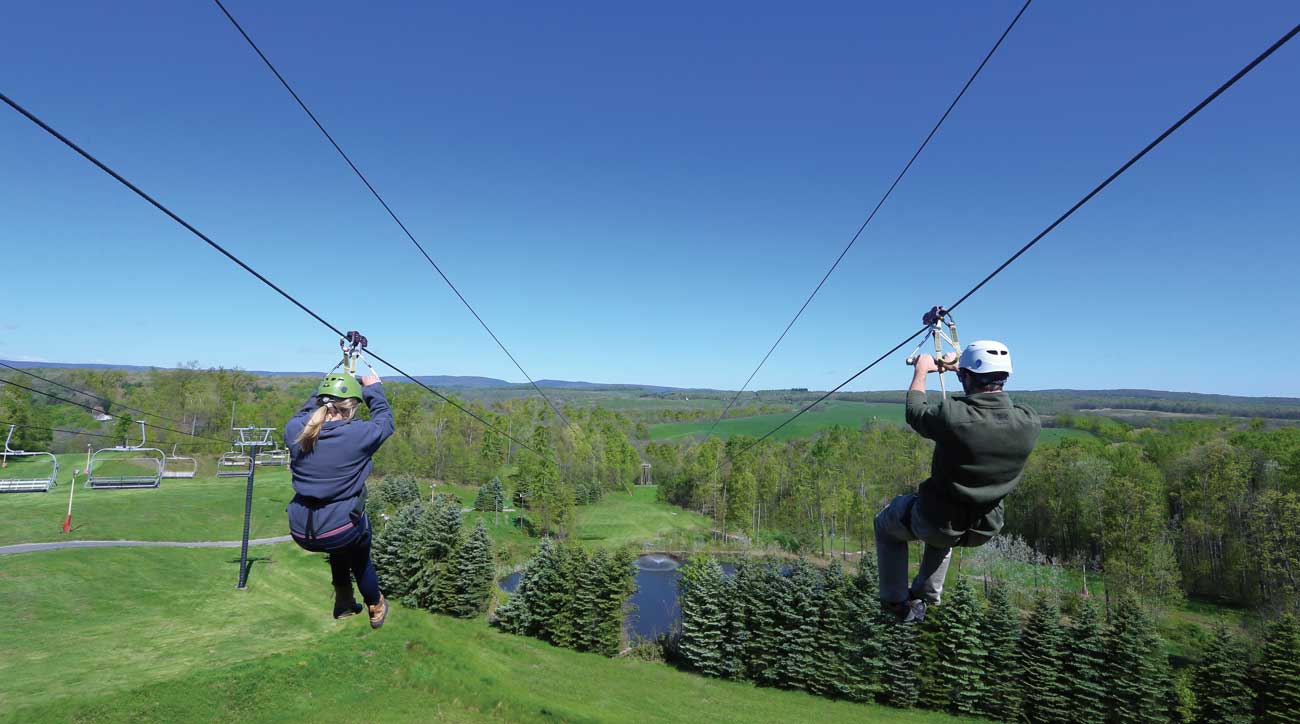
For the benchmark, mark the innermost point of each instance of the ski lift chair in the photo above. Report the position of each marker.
(233, 464)
(21, 477)
(278, 457)
(126, 466)
(179, 466)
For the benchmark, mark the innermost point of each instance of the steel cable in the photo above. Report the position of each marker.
(872, 215)
(389, 209)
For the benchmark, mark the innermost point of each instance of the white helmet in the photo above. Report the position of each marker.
(985, 356)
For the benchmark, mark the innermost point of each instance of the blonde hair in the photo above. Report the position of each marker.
(347, 407)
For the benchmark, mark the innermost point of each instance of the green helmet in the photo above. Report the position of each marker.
(340, 386)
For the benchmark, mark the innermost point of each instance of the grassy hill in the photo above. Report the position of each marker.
(850, 414)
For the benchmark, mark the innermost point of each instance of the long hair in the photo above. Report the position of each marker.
(346, 407)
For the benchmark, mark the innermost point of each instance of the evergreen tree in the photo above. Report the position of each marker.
(616, 585)
(545, 592)
(703, 617)
(1219, 680)
(899, 682)
(498, 492)
(394, 555)
(437, 534)
(562, 628)
(1277, 676)
(585, 601)
(758, 587)
(958, 685)
(834, 648)
(735, 638)
(471, 569)
(1000, 631)
(1135, 666)
(1042, 649)
(399, 490)
(869, 654)
(1085, 665)
(797, 618)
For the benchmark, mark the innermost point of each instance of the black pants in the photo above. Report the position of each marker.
(354, 560)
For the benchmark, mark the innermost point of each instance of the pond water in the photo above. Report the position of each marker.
(655, 606)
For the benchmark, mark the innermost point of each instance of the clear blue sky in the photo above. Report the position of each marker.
(645, 193)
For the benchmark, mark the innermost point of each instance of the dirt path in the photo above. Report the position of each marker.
(58, 545)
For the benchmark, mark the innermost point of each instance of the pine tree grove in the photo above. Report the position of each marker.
(1276, 678)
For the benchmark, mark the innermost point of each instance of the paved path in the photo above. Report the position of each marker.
(34, 547)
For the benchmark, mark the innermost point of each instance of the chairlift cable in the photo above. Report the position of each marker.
(1069, 212)
(224, 252)
(92, 395)
(118, 417)
(872, 215)
(389, 209)
(58, 429)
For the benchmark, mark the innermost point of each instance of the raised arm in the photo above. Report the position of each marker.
(381, 425)
(925, 418)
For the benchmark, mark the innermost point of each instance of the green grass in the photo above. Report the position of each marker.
(851, 414)
(157, 635)
(206, 508)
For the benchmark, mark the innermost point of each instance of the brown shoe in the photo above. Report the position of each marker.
(378, 612)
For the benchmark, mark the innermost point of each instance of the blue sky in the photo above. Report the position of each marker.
(646, 194)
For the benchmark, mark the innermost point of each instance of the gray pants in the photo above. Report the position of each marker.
(896, 525)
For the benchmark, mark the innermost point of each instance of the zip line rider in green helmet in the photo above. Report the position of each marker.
(330, 454)
(981, 443)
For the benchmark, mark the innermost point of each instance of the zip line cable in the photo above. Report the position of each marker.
(91, 395)
(387, 208)
(224, 252)
(117, 417)
(1069, 212)
(872, 215)
(57, 429)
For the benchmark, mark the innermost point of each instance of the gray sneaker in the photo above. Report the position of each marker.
(912, 611)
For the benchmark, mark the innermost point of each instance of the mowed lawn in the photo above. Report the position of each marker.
(161, 635)
(848, 414)
(619, 519)
(197, 509)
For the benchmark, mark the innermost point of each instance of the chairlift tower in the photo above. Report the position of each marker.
(645, 474)
(250, 441)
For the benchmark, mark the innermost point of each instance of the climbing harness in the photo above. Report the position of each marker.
(936, 319)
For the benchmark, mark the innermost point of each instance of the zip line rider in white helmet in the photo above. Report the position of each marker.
(981, 443)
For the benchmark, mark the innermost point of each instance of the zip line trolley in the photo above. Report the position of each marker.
(22, 478)
(126, 466)
(936, 320)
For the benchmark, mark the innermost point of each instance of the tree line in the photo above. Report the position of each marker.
(795, 626)
(1191, 508)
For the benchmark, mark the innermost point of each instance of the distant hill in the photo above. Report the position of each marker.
(468, 382)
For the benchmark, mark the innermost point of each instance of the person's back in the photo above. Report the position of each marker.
(330, 458)
(982, 442)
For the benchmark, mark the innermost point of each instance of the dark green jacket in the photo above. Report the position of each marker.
(981, 443)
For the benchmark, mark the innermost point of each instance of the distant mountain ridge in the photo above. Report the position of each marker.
(461, 381)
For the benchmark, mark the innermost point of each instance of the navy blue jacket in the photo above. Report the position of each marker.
(330, 480)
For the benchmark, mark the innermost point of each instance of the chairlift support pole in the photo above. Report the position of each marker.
(254, 438)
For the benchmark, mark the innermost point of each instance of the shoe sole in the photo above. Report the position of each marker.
(382, 619)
